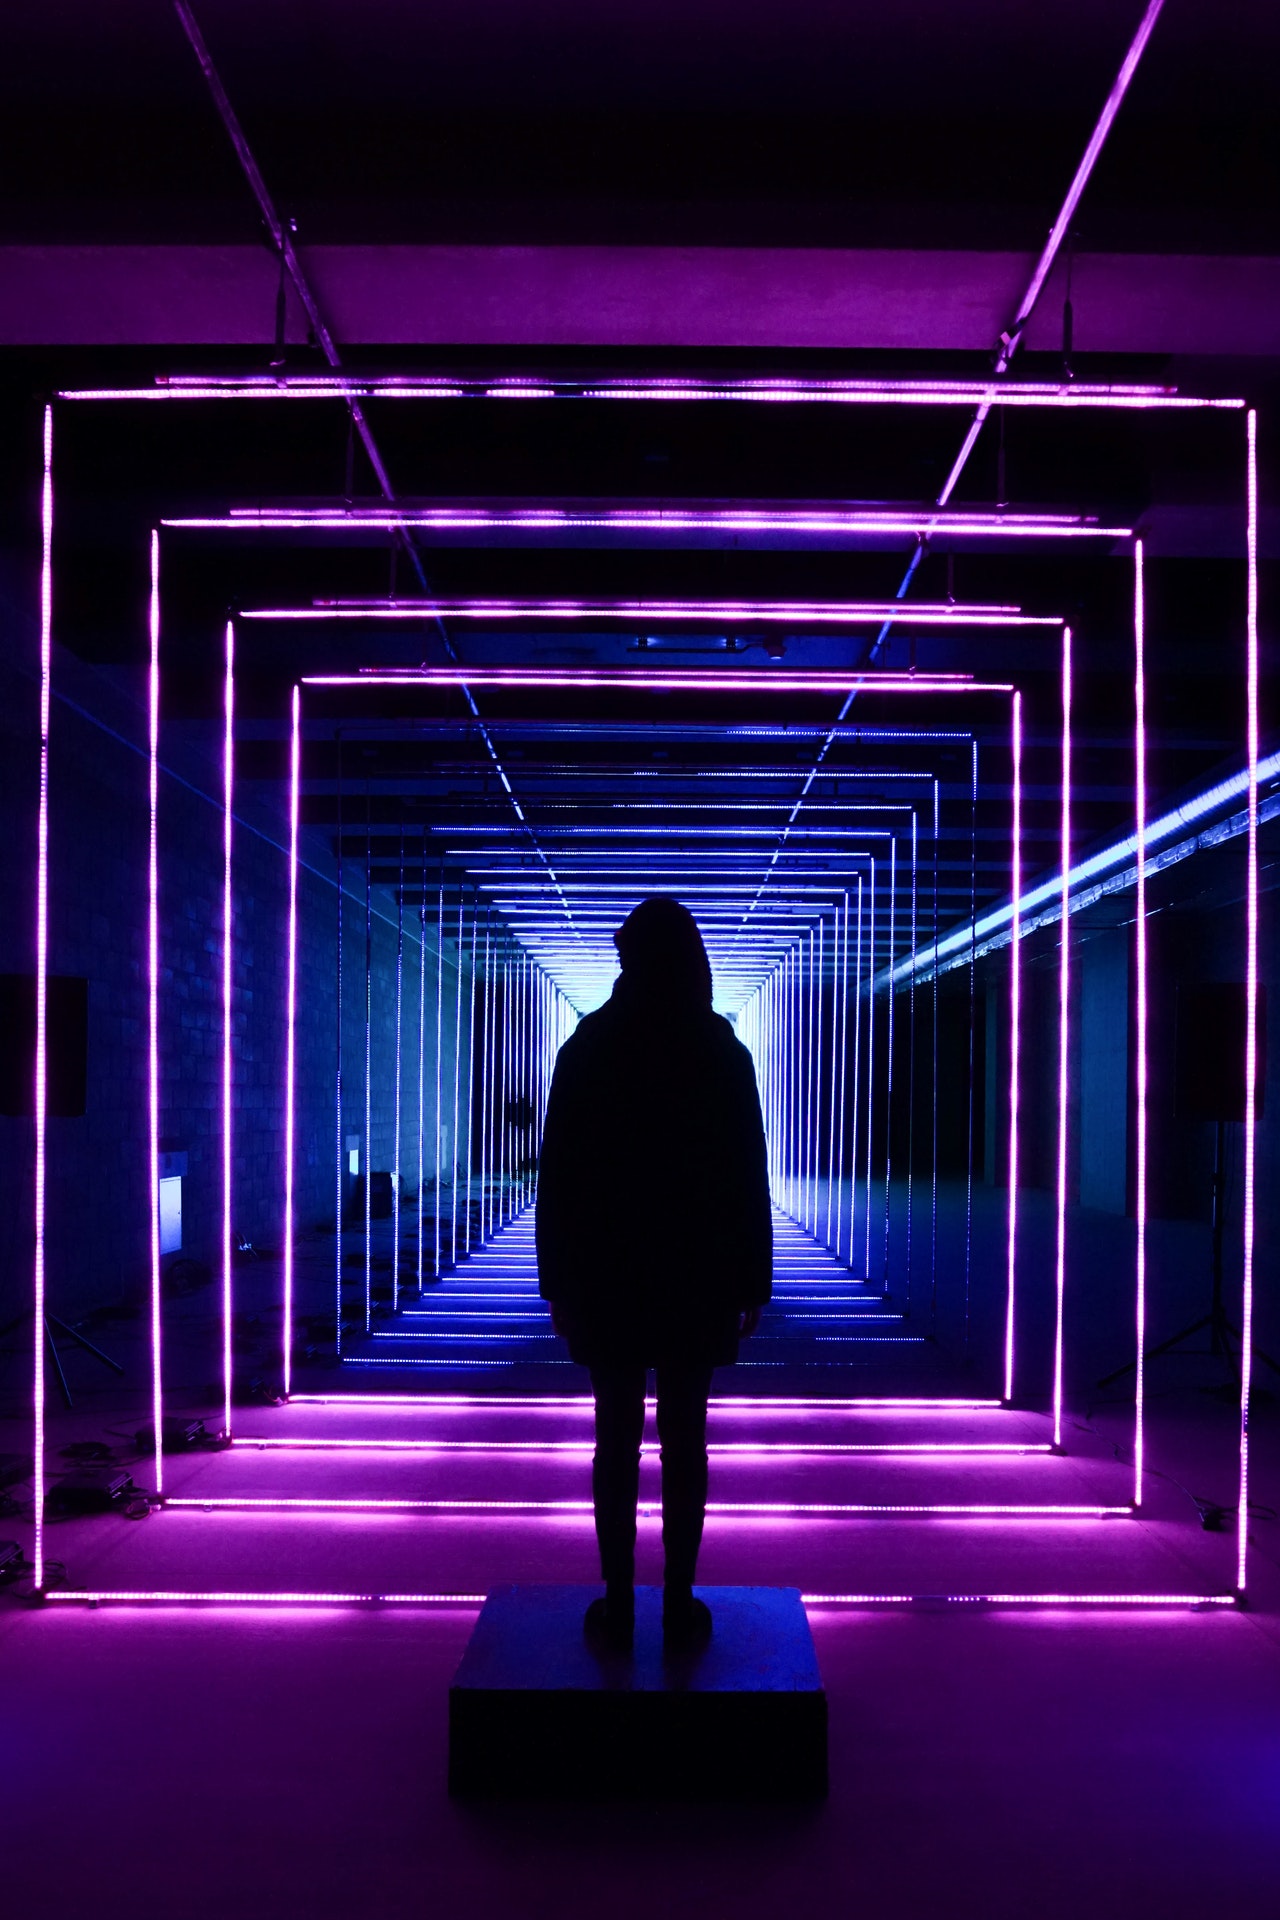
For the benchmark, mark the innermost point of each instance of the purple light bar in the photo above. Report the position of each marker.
(40, 1104)
(228, 765)
(1064, 988)
(765, 612)
(153, 1004)
(1251, 989)
(920, 393)
(721, 1509)
(688, 680)
(830, 520)
(1140, 1014)
(1015, 1021)
(295, 783)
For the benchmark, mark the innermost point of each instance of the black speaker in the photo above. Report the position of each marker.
(1209, 1074)
(67, 1044)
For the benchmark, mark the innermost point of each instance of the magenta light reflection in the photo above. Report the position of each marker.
(153, 1004)
(40, 1104)
(1015, 1020)
(1251, 990)
(167, 1597)
(1064, 988)
(228, 776)
(721, 1509)
(295, 782)
(1140, 986)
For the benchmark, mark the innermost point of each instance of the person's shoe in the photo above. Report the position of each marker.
(609, 1625)
(686, 1622)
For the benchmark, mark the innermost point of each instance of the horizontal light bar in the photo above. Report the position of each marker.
(723, 1509)
(583, 1402)
(665, 680)
(91, 1596)
(172, 1597)
(817, 613)
(731, 1448)
(828, 520)
(927, 393)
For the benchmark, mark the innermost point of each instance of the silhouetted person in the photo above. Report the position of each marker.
(655, 1239)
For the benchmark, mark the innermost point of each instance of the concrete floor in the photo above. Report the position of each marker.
(193, 1761)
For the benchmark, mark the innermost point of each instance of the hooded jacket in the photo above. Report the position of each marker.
(654, 1227)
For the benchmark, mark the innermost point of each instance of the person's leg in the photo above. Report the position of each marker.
(682, 1434)
(615, 1480)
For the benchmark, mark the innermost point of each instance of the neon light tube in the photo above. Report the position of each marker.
(1140, 970)
(728, 1448)
(1022, 1599)
(1064, 1034)
(721, 1509)
(368, 1065)
(153, 1005)
(171, 1597)
(340, 1143)
(439, 1036)
(457, 1092)
(396, 1093)
(685, 680)
(1251, 988)
(927, 393)
(228, 935)
(291, 1021)
(41, 1089)
(583, 1403)
(969, 524)
(657, 612)
(1015, 1034)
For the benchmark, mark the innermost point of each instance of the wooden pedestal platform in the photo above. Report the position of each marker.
(534, 1712)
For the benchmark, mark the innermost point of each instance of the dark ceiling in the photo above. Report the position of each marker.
(822, 122)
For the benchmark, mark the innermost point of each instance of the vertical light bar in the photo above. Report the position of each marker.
(341, 1157)
(810, 1090)
(500, 1113)
(844, 1043)
(291, 1028)
(396, 1098)
(911, 1054)
(888, 1090)
(1251, 989)
(41, 1089)
(457, 1096)
(485, 1087)
(871, 1051)
(153, 1003)
(831, 1078)
(439, 1037)
(1015, 1030)
(857, 1079)
(368, 1063)
(228, 931)
(422, 1047)
(471, 1059)
(1064, 1011)
(1140, 970)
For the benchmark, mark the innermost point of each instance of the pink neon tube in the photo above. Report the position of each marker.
(228, 935)
(42, 995)
(1064, 1034)
(1015, 1035)
(153, 1004)
(1251, 991)
(1140, 983)
(291, 1013)
(689, 680)
(833, 520)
